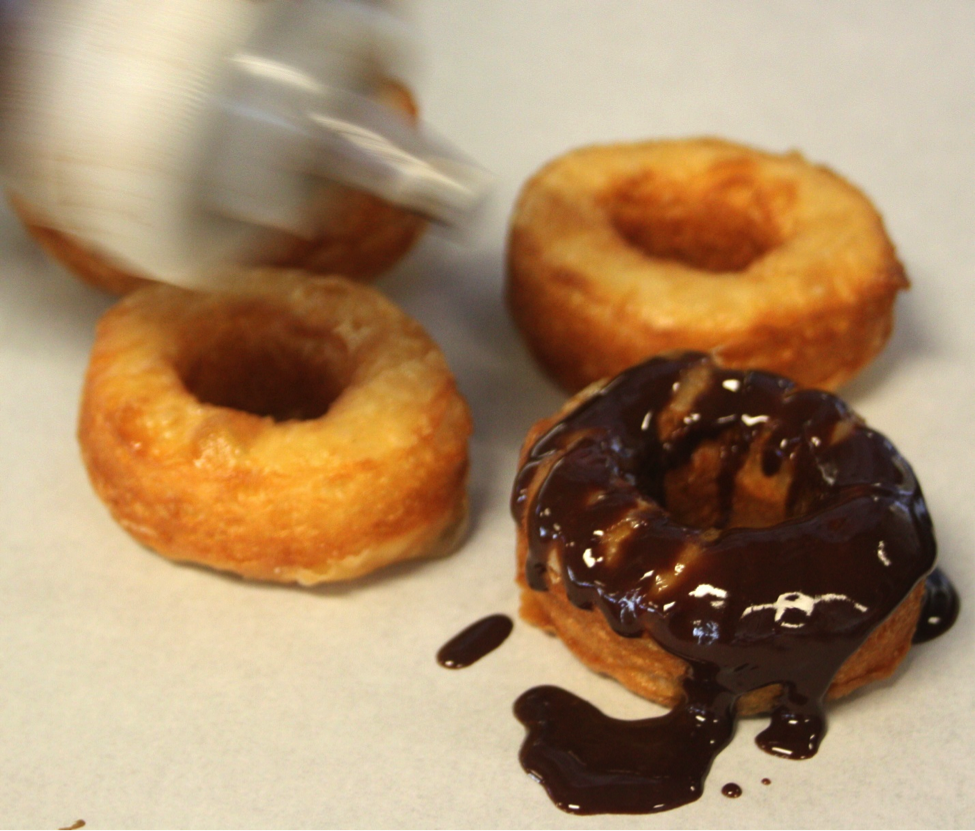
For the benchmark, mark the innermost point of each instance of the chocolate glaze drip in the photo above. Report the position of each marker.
(940, 610)
(732, 790)
(744, 606)
(476, 641)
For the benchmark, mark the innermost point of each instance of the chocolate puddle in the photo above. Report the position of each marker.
(591, 763)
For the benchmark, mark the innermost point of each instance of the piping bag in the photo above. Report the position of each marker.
(181, 137)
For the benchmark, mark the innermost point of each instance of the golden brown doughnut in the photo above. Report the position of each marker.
(302, 429)
(361, 237)
(624, 251)
(687, 516)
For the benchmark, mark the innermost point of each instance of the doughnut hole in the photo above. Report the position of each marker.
(261, 359)
(722, 222)
(724, 485)
(721, 483)
(711, 490)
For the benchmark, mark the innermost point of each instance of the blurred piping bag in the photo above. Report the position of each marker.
(180, 137)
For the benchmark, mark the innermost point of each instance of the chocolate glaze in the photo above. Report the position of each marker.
(732, 790)
(745, 607)
(476, 641)
(940, 610)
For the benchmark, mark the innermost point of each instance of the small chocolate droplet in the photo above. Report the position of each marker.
(940, 610)
(731, 790)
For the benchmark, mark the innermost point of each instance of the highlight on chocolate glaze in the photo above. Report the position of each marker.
(748, 597)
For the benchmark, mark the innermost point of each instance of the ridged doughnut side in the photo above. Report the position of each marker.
(646, 669)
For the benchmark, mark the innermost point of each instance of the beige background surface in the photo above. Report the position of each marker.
(136, 693)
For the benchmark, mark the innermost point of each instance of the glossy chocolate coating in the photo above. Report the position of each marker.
(591, 763)
(744, 606)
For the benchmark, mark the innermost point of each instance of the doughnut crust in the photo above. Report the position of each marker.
(766, 261)
(645, 668)
(716, 512)
(361, 236)
(302, 429)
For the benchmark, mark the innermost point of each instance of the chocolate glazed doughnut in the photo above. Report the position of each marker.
(721, 541)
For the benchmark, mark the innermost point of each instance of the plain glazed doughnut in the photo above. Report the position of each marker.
(706, 534)
(620, 252)
(361, 237)
(302, 429)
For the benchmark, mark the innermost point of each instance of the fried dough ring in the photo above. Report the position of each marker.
(303, 429)
(640, 663)
(361, 237)
(620, 252)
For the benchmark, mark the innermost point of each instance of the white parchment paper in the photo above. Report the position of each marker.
(135, 693)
